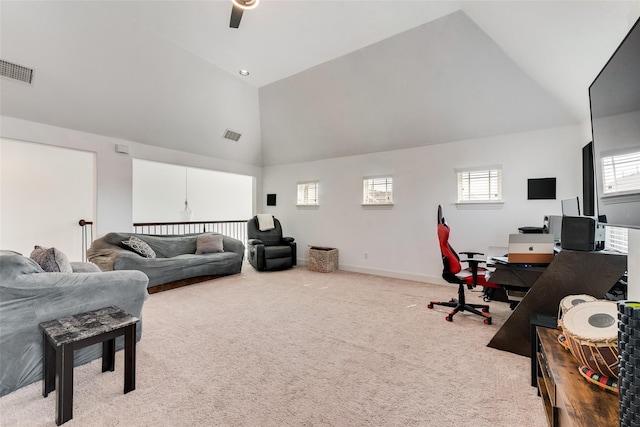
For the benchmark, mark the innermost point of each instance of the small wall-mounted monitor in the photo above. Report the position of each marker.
(271, 199)
(541, 189)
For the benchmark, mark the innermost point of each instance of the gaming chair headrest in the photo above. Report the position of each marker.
(440, 217)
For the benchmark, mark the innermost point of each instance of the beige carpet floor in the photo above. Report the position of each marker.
(298, 348)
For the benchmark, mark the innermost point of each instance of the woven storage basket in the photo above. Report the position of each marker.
(323, 260)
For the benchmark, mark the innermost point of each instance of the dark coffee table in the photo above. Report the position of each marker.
(61, 337)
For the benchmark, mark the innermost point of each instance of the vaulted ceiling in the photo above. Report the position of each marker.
(327, 78)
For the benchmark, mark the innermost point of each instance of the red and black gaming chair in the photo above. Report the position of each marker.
(452, 267)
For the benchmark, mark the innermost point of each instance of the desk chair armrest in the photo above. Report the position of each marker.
(288, 239)
(471, 254)
(253, 242)
(474, 266)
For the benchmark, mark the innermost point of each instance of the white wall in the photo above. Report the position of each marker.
(399, 242)
(44, 191)
(402, 241)
(159, 193)
(114, 175)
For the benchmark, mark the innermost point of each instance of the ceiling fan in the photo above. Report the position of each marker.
(239, 6)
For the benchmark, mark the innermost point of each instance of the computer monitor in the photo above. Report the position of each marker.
(571, 207)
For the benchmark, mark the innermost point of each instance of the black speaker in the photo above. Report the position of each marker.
(271, 199)
(578, 233)
(588, 180)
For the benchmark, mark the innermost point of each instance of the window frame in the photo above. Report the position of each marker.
(305, 185)
(368, 181)
(616, 239)
(493, 172)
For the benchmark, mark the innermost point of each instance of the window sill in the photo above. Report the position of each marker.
(307, 206)
(377, 205)
(479, 205)
(608, 199)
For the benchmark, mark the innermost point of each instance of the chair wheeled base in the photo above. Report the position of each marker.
(461, 305)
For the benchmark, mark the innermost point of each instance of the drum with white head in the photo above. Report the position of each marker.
(591, 331)
(571, 301)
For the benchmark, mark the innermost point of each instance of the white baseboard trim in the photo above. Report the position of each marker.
(387, 273)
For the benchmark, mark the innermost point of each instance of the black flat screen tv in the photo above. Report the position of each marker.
(541, 188)
(614, 98)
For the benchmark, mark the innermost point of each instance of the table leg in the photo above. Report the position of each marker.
(535, 320)
(64, 383)
(109, 355)
(533, 339)
(130, 358)
(48, 367)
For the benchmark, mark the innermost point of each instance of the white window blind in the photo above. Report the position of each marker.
(480, 185)
(621, 173)
(308, 193)
(616, 238)
(377, 191)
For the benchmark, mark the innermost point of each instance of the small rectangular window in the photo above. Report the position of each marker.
(617, 239)
(308, 193)
(480, 185)
(377, 191)
(621, 173)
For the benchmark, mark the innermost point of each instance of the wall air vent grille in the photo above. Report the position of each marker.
(16, 72)
(234, 136)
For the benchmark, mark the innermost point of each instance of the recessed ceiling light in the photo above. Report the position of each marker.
(244, 72)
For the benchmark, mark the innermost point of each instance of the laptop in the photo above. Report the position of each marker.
(530, 248)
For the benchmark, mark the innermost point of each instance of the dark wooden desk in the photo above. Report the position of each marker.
(570, 273)
(513, 278)
(515, 275)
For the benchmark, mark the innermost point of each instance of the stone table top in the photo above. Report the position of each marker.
(85, 325)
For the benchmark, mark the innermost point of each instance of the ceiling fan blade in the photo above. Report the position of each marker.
(236, 16)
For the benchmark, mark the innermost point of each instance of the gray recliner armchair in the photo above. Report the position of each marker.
(268, 250)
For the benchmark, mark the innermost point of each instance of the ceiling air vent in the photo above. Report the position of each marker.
(229, 134)
(16, 72)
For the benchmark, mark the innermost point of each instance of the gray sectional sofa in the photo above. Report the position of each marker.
(174, 256)
(29, 296)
